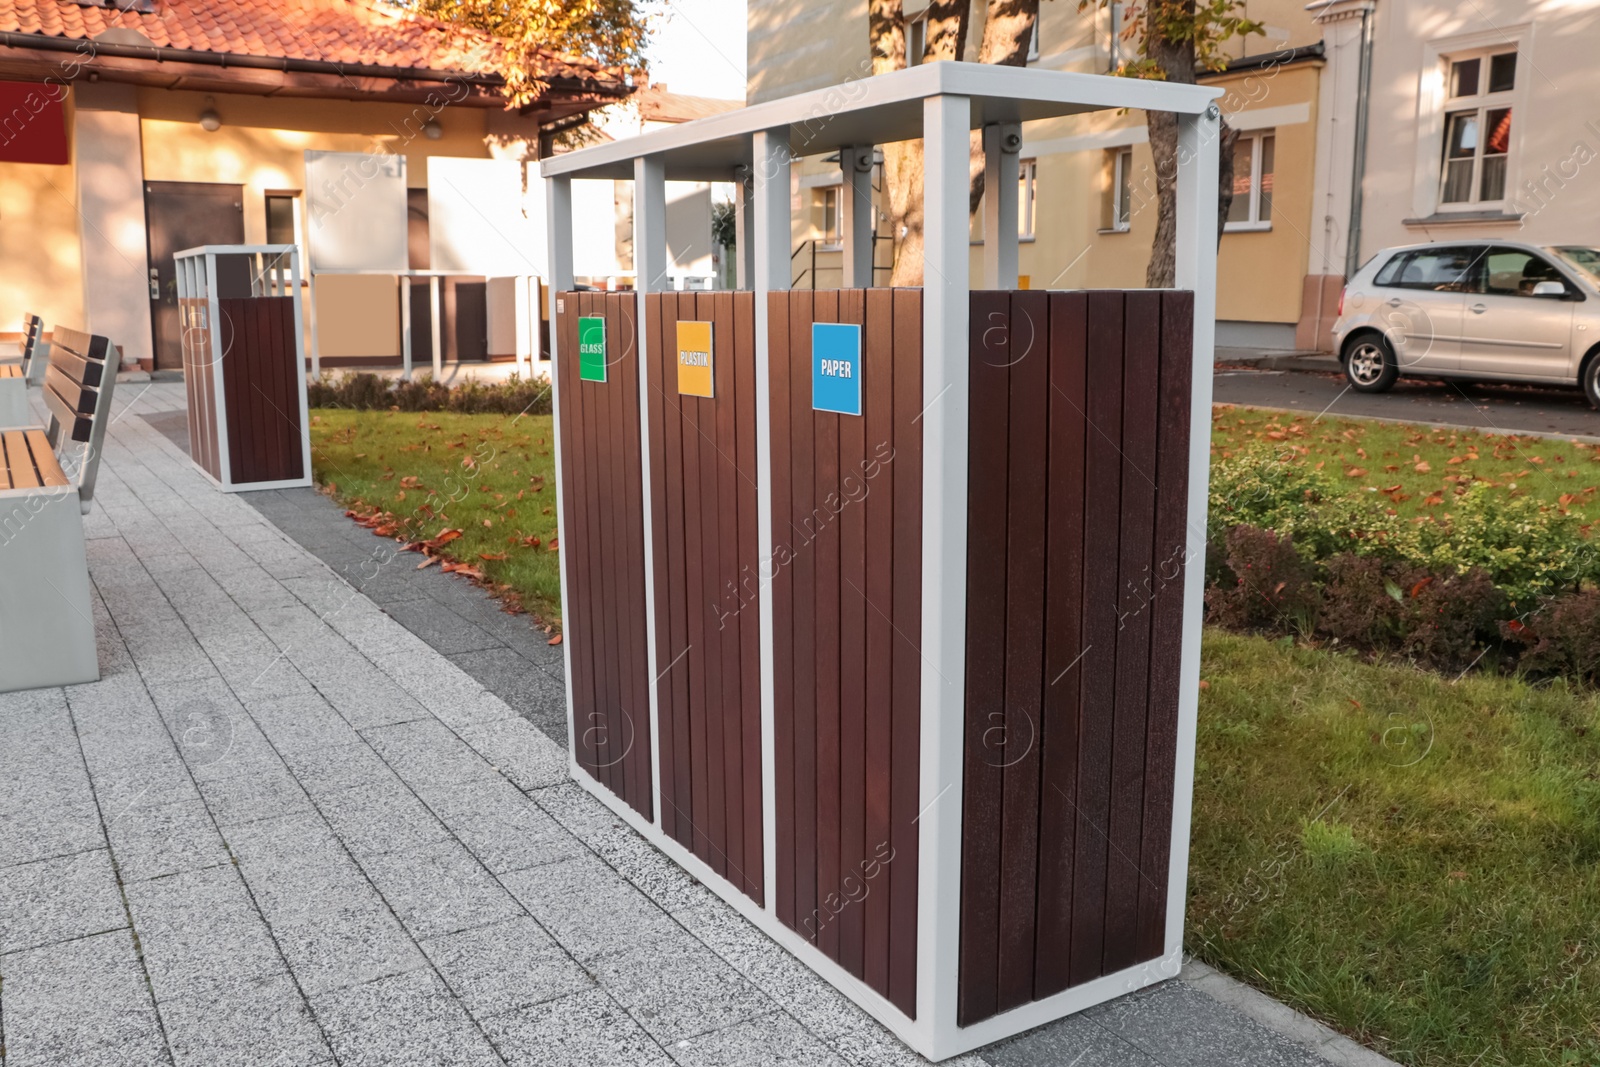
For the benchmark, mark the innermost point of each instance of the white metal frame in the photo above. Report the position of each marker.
(940, 102)
(277, 274)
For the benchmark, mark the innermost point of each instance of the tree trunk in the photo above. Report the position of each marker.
(1177, 60)
(1007, 33)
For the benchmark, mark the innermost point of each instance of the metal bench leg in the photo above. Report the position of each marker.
(46, 622)
(14, 404)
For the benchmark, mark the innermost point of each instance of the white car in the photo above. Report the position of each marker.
(1489, 310)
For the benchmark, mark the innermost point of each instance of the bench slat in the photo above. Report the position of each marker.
(10, 370)
(84, 371)
(19, 461)
(5, 468)
(76, 424)
(78, 398)
(90, 346)
(44, 458)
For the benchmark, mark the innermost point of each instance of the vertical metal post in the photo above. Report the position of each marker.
(855, 162)
(650, 275)
(1196, 270)
(946, 297)
(558, 234)
(438, 327)
(768, 227)
(405, 327)
(1001, 143)
(744, 253)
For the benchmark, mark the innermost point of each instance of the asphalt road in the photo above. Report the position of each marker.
(1492, 408)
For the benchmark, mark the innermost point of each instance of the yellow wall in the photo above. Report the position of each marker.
(263, 140)
(40, 255)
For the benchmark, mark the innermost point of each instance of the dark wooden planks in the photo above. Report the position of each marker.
(847, 530)
(1166, 607)
(905, 761)
(603, 546)
(704, 540)
(1077, 499)
(1060, 711)
(984, 736)
(260, 390)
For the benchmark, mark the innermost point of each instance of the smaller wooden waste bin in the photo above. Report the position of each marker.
(244, 365)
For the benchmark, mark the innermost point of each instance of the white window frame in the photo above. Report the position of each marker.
(1027, 199)
(1253, 222)
(836, 243)
(916, 38)
(1117, 13)
(1121, 174)
(1480, 103)
(1433, 104)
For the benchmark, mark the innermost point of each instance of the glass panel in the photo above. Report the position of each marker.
(1515, 273)
(830, 214)
(1492, 186)
(1461, 135)
(1125, 189)
(1441, 270)
(1243, 165)
(1268, 143)
(1390, 274)
(1585, 259)
(1464, 77)
(280, 220)
(1503, 72)
(1025, 198)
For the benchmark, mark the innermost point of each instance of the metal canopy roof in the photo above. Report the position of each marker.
(874, 110)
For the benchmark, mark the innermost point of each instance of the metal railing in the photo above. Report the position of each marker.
(814, 269)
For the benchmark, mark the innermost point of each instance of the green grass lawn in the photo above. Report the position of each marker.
(492, 477)
(1419, 468)
(1415, 860)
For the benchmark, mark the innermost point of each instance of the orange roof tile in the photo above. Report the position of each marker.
(335, 31)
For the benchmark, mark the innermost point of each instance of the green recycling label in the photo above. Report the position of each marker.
(591, 348)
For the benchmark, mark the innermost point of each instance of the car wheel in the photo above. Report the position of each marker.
(1591, 381)
(1369, 365)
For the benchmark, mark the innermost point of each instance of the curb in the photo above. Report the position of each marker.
(1280, 1018)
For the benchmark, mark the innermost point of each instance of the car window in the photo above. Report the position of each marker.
(1585, 259)
(1513, 272)
(1447, 270)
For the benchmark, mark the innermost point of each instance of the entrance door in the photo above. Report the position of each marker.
(181, 215)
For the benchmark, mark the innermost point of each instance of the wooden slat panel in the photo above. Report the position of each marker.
(1028, 429)
(714, 818)
(784, 465)
(6, 481)
(983, 753)
(1141, 355)
(571, 536)
(77, 398)
(661, 534)
(44, 459)
(803, 488)
(729, 824)
(878, 479)
(638, 764)
(20, 462)
(74, 423)
(10, 370)
(680, 445)
(1058, 818)
(748, 592)
(824, 522)
(1097, 671)
(852, 535)
(1166, 633)
(906, 739)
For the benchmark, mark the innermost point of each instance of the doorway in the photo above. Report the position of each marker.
(180, 215)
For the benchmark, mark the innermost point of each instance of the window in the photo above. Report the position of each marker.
(1027, 182)
(1116, 213)
(1117, 13)
(829, 223)
(1444, 270)
(280, 219)
(916, 39)
(1513, 272)
(1477, 128)
(1033, 41)
(1252, 181)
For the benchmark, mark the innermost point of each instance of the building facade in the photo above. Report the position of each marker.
(1087, 190)
(133, 129)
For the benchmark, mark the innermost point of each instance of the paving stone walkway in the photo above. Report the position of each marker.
(297, 823)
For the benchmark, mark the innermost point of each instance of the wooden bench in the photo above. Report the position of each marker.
(18, 372)
(47, 478)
